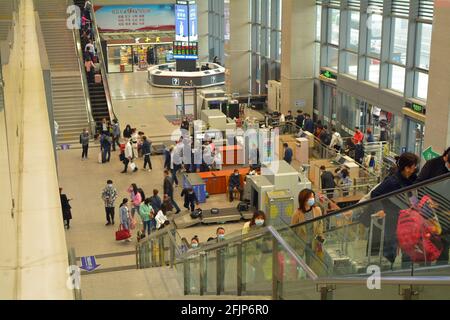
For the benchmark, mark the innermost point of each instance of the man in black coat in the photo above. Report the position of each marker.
(436, 167)
(168, 190)
(66, 209)
(328, 182)
(190, 198)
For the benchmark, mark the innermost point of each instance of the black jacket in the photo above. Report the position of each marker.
(328, 180)
(432, 169)
(168, 186)
(146, 148)
(235, 181)
(189, 197)
(392, 207)
(67, 214)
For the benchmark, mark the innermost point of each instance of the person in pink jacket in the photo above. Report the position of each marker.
(136, 199)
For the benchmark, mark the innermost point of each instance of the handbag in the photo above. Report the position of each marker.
(122, 234)
(133, 166)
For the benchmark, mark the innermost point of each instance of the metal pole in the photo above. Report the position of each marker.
(276, 282)
(239, 270)
(202, 273)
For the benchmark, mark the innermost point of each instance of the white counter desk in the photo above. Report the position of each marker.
(166, 76)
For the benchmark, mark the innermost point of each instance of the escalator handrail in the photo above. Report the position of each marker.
(311, 274)
(377, 199)
(418, 281)
(84, 82)
(101, 61)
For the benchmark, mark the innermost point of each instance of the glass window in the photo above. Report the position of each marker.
(332, 57)
(421, 85)
(318, 22)
(374, 25)
(373, 70)
(397, 78)
(351, 64)
(424, 44)
(353, 31)
(333, 31)
(399, 40)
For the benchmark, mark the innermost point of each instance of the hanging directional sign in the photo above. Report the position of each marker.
(89, 264)
(429, 154)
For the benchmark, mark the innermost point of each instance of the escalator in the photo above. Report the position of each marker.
(286, 262)
(101, 104)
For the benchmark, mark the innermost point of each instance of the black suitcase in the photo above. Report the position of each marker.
(196, 214)
(243, 206)
(215, 211)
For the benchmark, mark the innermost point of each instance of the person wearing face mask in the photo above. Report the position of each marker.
(220, 233)
(310, 232)
(195, 242)
(258, 220)
(389, 209)
(435, 168)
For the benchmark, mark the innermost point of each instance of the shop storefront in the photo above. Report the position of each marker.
(137, 57)
(136, 36)
(345, 112)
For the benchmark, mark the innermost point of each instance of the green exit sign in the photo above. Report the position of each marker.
(328, 74)
(417, 108)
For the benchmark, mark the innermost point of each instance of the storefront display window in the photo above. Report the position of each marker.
(138, 57)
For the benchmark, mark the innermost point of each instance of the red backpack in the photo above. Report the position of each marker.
(417, 236)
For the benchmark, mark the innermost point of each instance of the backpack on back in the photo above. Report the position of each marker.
(417, 236)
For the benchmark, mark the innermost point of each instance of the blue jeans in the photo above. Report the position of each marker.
(134, 210)
(147, 226)
(174, 173)
(175, 205)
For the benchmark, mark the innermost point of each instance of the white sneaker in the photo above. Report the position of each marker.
(149, 170)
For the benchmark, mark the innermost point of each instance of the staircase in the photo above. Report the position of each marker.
(69, 106)
(6, 8)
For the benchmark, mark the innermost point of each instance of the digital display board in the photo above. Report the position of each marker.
(181, 23)
(185, 50)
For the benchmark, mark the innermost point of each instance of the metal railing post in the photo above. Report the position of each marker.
(239, 270)
(186, 273)
(202, 273)
(276, 282)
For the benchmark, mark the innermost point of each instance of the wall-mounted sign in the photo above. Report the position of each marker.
(175, 81)
(126, 18)
(416, 107)
(326, 74)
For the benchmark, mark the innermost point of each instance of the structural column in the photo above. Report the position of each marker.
(297, 55)
(203, 30)
(237, 49)
(437, 125)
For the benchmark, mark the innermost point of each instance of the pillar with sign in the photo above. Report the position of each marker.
(185, 46)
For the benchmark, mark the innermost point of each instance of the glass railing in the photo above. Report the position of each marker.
(326, 257)
(379, 231)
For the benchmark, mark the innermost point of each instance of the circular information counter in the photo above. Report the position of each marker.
(166, 76)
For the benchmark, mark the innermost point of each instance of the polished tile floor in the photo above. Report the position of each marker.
(83, 181)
